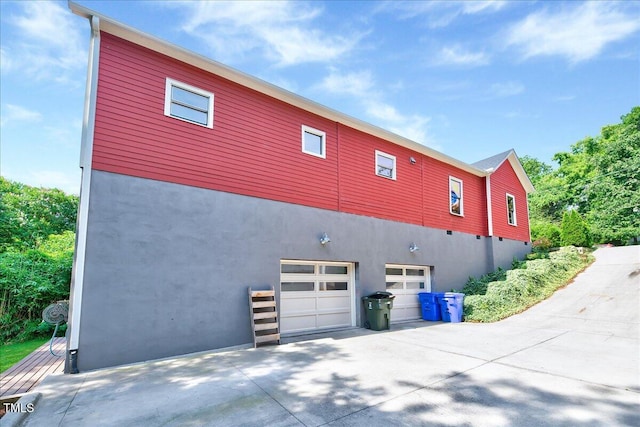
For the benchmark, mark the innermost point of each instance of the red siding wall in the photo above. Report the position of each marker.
(254, 149)
(504, 181)
(363, 192)
(437, 199)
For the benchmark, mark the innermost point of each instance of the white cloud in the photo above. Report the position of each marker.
(578, 33)
(15, 113)
(512, 115)
(456, 55)
(358, 84)
(69, 183)
(473, 7)
(438, 14)
(362, 86)
(65, 134)
(48, 44)
(5, 60)
(412, 126)
(281, 31)
(564, 98)
(506, 89)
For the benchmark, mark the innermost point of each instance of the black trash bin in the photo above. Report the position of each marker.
(378, 310)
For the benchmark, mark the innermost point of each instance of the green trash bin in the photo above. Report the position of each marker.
(377, 307)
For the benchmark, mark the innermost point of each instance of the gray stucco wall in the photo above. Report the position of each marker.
(168, 266)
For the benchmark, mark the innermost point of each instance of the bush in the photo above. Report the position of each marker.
(574, 231)
(31, 280)
(521, 288)
(545, 234)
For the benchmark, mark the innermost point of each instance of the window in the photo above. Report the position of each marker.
(385, 165)
(309, 276)
(188, 103)
(511, 209)
(407, 277)
(297, 268)
(455, 190)
(313, 142)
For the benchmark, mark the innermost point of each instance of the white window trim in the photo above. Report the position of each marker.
(515, 217)
(321, 134)
(167, 101)
(461, 195)
(390, 157)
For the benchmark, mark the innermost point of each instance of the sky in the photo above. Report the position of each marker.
(470, 79)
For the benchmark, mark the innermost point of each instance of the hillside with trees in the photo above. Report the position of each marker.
(37, 236)
(593, 195)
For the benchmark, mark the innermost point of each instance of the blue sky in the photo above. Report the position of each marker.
(470, 79)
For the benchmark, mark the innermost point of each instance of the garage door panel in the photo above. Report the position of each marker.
(334, 302)
(300, 304)
(406, 282)
(405, 300)
(399, 314)
(333, 319)
(315, 295)
(298, 323)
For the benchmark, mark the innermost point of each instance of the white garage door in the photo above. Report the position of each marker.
(315, 295)
(405, 282)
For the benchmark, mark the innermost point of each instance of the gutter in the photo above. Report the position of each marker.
(86, 156)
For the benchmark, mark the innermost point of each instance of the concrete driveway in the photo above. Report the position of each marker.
(571, 360)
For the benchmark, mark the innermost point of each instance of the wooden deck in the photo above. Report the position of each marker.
(30, 371)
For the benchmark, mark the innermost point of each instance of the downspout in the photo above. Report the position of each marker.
(526, 198)
(86, 155)
(489, 207)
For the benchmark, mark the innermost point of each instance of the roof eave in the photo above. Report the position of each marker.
(519, 170)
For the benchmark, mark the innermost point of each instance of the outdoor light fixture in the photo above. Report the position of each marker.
(412, 160)
(413, 248)
(324, 239)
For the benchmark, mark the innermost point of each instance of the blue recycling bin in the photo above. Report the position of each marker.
(430, 305)
(451, 306)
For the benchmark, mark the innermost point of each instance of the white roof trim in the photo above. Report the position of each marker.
(518, 169)
(123, 31)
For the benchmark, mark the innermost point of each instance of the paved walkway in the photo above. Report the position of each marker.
(572, 360)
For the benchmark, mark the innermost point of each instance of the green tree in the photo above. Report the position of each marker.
(574, 231)
(28, 214)
(36, 254)
(614, 196)
(546, 204)
(29, 281)
(599, 178)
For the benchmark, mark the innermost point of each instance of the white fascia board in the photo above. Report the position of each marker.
(520, 172)
(123, 31)
(512, 157)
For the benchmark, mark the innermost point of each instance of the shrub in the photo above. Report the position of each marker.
(521, 288)
(542, 243)
(31, 280)
(574, 231)
(546, 234)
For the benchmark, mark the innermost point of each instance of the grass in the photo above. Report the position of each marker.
(13, 353)
(504, 293)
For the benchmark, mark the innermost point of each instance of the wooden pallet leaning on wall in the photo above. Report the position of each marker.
(264, 316)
